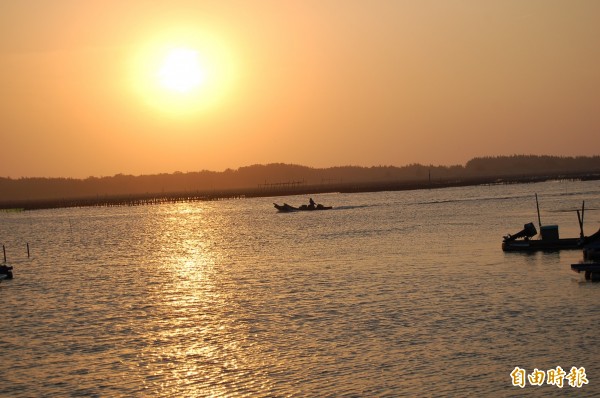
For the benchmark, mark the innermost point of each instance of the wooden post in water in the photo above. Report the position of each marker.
(4, 251)
(27, 249)
(538, 212)
(580, 218)
(582, 213)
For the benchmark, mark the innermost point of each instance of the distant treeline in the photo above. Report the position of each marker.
(288, 177)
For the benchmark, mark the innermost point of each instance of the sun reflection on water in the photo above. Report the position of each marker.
(200, 348)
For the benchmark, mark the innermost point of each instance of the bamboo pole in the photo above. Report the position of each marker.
(538, 212)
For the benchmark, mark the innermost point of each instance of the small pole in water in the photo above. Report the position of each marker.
(4, 251)
(582, 213)
(538, 211)
(27, 249)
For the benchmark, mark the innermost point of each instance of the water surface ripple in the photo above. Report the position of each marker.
(388, 294)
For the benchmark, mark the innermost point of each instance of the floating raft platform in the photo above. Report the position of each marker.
(591, 270)
(6, 271)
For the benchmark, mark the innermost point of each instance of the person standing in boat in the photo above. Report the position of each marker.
(311, 203)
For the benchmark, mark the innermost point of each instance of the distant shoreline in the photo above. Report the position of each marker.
(242, 193)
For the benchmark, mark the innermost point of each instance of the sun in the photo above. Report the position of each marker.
(184, 73)
(181, 70)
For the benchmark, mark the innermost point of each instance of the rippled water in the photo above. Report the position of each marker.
(388, 294)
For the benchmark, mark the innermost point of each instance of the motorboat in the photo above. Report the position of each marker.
(285, 208)
(548, 239)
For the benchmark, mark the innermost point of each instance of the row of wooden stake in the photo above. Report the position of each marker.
(4, 251)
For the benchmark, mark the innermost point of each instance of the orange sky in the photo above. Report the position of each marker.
(319, 83)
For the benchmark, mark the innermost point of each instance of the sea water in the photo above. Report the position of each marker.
(387, 294)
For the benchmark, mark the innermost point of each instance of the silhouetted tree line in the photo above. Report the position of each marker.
(257, 176)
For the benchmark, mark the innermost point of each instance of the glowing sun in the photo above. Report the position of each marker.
(184, 72)
(181, 70)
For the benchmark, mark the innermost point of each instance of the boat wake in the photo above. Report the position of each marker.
(352, 207)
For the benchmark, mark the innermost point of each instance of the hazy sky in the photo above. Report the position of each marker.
(319, 83)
